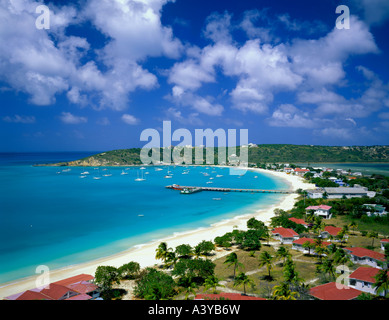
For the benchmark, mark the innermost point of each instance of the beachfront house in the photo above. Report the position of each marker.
(363, 279)
(384, 242)
(300, 172)
(320, 211)
(334, 291)
(355, 192)
(366, 256)
(288, 170)
(330, 231)
(340, 192)
(79, 287)
(285, 235)
(298, 245)
(375, 210)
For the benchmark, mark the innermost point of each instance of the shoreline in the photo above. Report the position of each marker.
(144, 253)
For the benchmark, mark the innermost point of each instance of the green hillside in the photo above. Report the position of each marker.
(266, 153)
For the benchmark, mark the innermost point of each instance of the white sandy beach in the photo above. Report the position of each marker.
(145, 254)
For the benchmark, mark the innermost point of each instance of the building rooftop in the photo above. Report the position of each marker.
(363, 252)
(285, 232)
(333, 231)
(365, 274)
(329, 291)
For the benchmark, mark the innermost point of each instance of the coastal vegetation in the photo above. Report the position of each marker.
(257, 155)
(240, 261)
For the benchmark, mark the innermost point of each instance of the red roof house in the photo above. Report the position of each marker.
(363, 279)
(299, 221)
(330, 291)
(298, 244)
(330, 231)
(285, 235)
(366, 256)
(384, 242)
(227, 296)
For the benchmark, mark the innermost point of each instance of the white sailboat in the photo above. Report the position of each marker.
(139, 179)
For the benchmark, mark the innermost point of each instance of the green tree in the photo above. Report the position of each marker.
(251, 240)
(266, 259)
(243, 279)
(308, 246)
(162, 252)
(129, 270)
(155, 285)
(184, 251)
(232, 259)
(204, 248)
(283, 292)
(373, 235)
(291, 276)
(381, 283)
(284, 253)
(212, 282)
(105, 276)
(194, 268)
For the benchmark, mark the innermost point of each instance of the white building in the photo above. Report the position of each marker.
(366, 256)
(363, 279)
(320, 211)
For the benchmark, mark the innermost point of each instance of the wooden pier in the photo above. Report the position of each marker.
(232, 189)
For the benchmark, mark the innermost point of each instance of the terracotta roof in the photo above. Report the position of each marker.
(298, 221)
(329, 291)
(322, 206)
(301, 170)
(229, 296)
(75, 279)
(303, 240)
(55, 291)
(33, 295)
(80, 297)
(384, 240)
(362, 252)
(365, 274)
(83, 287)
(285, 233)
(332, 230)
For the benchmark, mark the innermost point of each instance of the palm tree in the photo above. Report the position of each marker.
(353, 226)
(266, 259)
(320, 250)
(162, 252)
(283, 292)
(243, 279)
(212, 282)
(308, 245)
(283, 252)
(171, 258)
(190, 289)
(373, 235)
(328, 267)
(382, 282)
(341, 257)
(232, 259)
(267, 235)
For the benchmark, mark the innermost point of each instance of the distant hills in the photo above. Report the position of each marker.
(265, 153)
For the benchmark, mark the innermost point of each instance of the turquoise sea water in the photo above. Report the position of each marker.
(59, 219)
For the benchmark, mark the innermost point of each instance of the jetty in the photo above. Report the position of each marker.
(218, 189)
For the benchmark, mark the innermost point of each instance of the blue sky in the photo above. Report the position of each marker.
(107, 70)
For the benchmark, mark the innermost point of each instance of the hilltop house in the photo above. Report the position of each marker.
(363, 279)
(285, 235)
(320, 211)
(366, 256)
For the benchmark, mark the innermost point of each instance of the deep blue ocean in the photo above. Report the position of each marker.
(51, 216)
